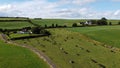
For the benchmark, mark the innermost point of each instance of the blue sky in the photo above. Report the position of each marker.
(10, 1)
(61, 8)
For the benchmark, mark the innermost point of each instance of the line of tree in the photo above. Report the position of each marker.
(54, 26)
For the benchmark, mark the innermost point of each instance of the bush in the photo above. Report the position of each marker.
(93, 22)
(103, 21)
(45, 26)
(53, 25)
(74, 25)
(56, 25)
(36, 30)
(110, 23)
(119, 23)
(65, 26)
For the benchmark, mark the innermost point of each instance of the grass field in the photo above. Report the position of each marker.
(69, 49)
(14, 25)
(42, 22)
(106, 34)
(19, 23)
(49, 22)
(67, 22)
(17, 57)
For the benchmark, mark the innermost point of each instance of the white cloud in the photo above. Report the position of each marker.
(5, 7)
(76, 2)
(33, 8)
(116, 13)
(82, 2)
(45, 9)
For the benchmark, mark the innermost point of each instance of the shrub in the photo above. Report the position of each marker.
(36, 30)
(56, 25)
(110, 23)
(119, 23)
(74, 25)
(65, 26)
(45, 26)
(53, 25)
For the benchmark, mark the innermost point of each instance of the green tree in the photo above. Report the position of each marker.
(36, 30)
(119, 23)
(74, 25)
(93, 21)
(103, 18)
(102, 21)
(45, 26)
(56, 25)
(110, 23)
(53, 25)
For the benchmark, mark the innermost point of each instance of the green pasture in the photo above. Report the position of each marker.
(68, 49)
(42, 22)
(12, 56)
(14, 25)
(106, 34)
(67, 22)
(113, 21)
(49, 22)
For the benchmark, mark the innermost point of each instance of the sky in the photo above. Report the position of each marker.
(65, 9)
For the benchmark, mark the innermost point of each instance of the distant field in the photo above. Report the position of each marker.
(14, 25)
(42, 22)
(67, 22)
(69, 49)
(49, 22)
(106, 34)
(114, 21)
(17, 57)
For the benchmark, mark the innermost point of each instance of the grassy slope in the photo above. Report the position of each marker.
(17, 57)
(79, 49)
(106, 34)
(51, 45)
